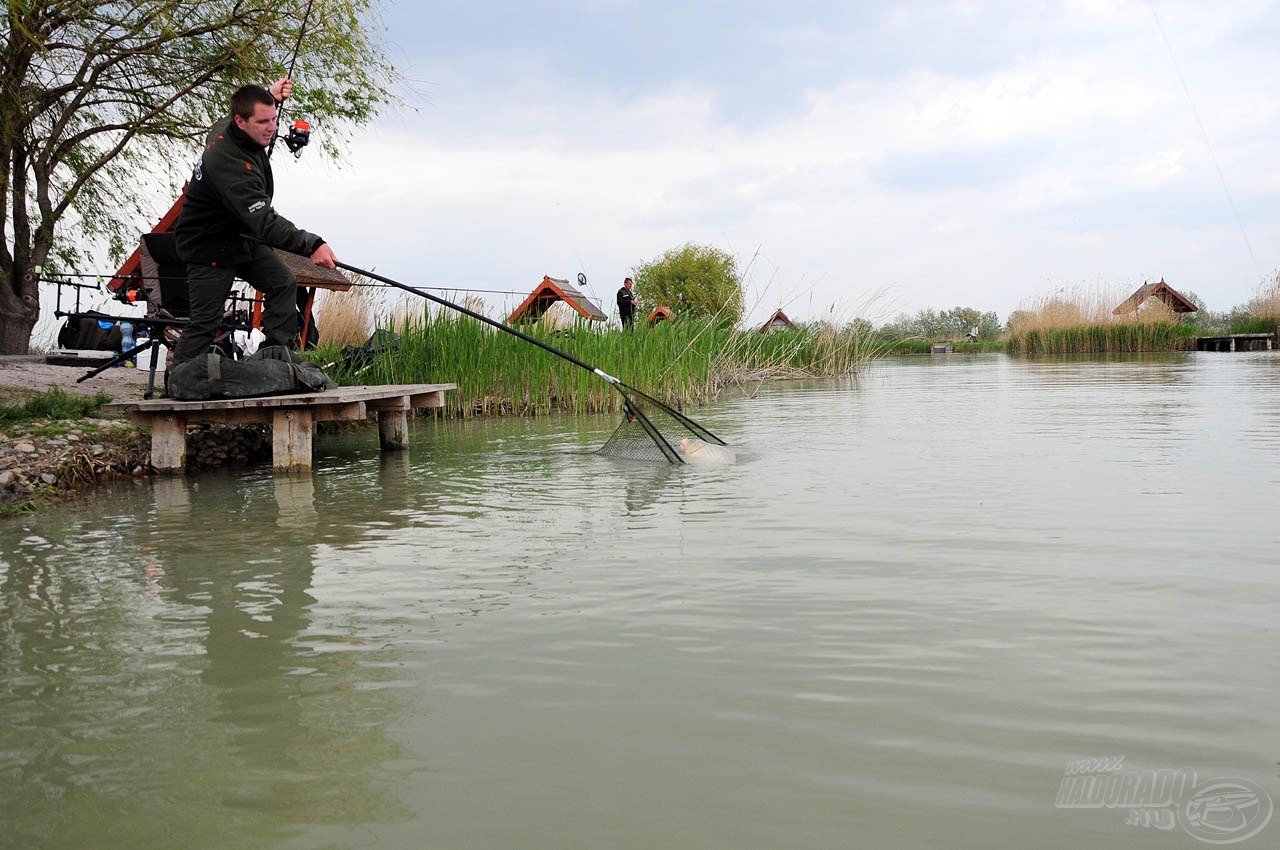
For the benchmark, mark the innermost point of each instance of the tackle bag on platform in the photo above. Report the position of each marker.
(271, 370)
(357, 358)
(88, 332)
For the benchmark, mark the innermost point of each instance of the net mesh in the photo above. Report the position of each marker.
(651, 431)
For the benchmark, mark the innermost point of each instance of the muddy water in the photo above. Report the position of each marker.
(899, 620)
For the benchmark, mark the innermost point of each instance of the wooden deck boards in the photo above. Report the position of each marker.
(292, 418)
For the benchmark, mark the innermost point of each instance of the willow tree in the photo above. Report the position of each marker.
(97, 100)
(696, 281)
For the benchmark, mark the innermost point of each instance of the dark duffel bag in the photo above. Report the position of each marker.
(85, 332)
(271, 370)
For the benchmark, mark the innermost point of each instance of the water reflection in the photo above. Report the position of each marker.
(196, 674)
(915, 598)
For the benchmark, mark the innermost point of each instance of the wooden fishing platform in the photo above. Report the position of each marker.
(292, 419)
(1237, 342)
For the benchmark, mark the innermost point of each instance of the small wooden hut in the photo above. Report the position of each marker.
(1176, 301)
(660, 314)
(777, 322)
(548, 292)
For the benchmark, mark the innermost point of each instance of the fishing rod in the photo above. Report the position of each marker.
(634, 409)
(102, 277)
(300, 132)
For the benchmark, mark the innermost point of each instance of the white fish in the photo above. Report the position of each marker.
(693, 450)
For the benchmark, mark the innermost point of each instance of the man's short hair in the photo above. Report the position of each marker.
(247, 98)
(627, 280)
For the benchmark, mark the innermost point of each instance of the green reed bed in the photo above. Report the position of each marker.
(908, 346)
(683, 363)
(1102, 338)
(1255, 325)
(925, 346)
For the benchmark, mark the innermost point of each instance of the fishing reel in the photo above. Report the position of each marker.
(299, 135)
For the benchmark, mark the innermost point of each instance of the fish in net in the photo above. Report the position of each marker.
(652, 431)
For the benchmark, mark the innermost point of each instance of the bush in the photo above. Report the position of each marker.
(695, 281)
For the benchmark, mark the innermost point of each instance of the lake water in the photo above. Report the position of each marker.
(916, 599)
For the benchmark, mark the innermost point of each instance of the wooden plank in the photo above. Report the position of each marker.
(393, 430)
(434, 398)
(291, 440)
(168, 443)
(341, 395)
(292, 418)
(400, 402)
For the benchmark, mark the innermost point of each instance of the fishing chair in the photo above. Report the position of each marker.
(164, 281)
(161, 281)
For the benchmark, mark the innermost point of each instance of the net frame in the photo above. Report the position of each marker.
(651, 430)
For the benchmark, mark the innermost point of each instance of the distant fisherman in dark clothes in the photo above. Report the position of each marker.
(627, 303)
(230, 196)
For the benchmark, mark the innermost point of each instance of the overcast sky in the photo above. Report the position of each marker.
(915, 155)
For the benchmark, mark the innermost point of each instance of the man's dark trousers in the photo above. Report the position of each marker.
(209, 287)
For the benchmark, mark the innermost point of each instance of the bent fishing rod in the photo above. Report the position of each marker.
(623, 388)
(300, 132)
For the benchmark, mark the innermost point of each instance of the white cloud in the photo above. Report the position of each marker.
(1076, 158)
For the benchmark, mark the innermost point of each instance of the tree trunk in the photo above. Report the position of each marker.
(19, 311)
(15, 333)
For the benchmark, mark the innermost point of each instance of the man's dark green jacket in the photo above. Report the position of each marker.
(228, 198)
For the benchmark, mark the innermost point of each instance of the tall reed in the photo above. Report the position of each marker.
(1266, 304)
(1107, 339)
(1085, 321)
(1262, 313)
(347, 318)
(683, 363)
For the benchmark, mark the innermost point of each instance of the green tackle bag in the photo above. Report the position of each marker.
(271, 370)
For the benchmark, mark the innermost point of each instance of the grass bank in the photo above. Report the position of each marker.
(897, 347)
(1108, 338)
(53, 405)
(54, 442)
(683, 363)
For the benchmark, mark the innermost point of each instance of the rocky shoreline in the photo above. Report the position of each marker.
(43, 461)
(37, 469)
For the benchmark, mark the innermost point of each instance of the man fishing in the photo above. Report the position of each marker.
(627, 303)
(228, 226)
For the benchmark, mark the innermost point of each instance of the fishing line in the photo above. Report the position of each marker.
(1205, 135)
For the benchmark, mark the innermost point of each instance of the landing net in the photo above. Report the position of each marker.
(652, 431)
